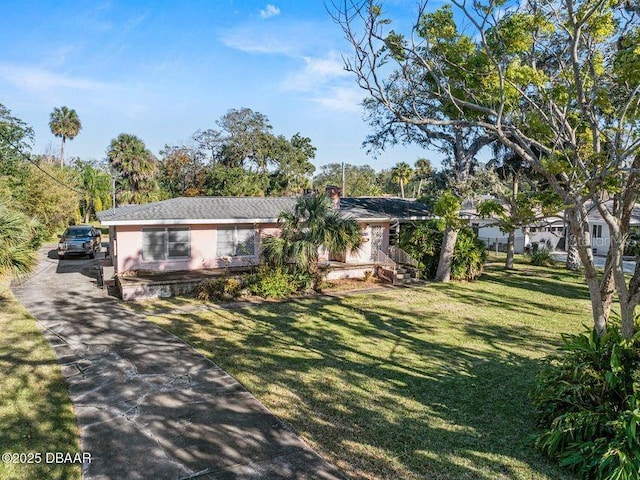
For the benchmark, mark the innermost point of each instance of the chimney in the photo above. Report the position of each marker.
(333, 193)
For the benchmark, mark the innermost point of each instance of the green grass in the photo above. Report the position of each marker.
(36, 415)
(413, 383)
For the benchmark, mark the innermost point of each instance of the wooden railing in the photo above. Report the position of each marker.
(401, 257)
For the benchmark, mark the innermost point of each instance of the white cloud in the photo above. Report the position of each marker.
(325, 81)
(258, 44)
(343, 98)
(297, 38)
(39, 79)
(269, 11)
(316, 71)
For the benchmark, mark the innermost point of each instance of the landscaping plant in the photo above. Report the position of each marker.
(423, 240)
(469, 256)
(272, 283)
(218, 289)
(541, 257)
(587, 402)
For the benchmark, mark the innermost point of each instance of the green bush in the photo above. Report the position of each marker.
(218, 289)
(588, 407)
(272, 283)
(469, 256)
(302, 280)
(541, 257)
(423, 240)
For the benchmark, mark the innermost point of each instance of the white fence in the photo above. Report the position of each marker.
(499, 244)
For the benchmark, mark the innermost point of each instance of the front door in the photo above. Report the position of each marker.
(377, 234)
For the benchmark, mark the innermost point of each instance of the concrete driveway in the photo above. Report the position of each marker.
(148, 405)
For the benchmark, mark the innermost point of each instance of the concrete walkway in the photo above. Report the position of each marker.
(148, 405)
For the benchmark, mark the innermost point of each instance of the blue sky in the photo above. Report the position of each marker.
(163, 69)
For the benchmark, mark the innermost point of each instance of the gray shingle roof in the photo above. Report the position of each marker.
(252, 209)
(380, 207)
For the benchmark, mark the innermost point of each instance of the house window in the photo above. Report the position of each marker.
(596, 231)
(166, 243)
(236, 242)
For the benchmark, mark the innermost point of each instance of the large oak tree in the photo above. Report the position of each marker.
(557, 82)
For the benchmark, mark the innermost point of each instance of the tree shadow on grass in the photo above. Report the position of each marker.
(35, 411)
(555, 282)
(378, 394)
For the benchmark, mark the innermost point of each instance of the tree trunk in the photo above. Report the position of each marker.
(62, 152)
(443, 274)
(511, 240)
(628, 317)
(582, 245)
(401, 188)
(573, 257)
(316, 283)
(597, 307)
(419, 188)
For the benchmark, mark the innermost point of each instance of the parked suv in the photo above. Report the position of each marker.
(79, 240)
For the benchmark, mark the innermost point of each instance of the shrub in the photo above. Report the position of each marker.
(423, 240)
(588, 406)
(541, 257)
(302, 280)
(218, 289)
(469, 256)
(272, 283)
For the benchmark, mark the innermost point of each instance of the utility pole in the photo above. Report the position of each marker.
(344, 182)
(113, 188)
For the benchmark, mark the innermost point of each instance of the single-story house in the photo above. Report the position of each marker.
(195, 233)
(548, 232)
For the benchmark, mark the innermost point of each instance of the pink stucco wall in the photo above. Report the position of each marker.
(126, 249)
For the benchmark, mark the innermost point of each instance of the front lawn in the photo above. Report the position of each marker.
(36, 415)
(426, 382)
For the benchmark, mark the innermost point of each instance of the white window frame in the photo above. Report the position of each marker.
(236, 244)
(167, 244)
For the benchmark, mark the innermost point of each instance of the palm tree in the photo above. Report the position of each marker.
(423, 170)
(96, 186)
(401, 173)
(311, 225)
(136, 168)
(64, 122)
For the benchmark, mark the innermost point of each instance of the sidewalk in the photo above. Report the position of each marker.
(147, 404)
(627, 266)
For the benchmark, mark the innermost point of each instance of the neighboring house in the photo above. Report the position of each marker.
(547, 232)
(488, 229)
(193, 233)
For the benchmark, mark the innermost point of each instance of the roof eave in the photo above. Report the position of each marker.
(187, 221)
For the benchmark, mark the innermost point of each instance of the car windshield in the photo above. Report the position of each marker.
(78, 232)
